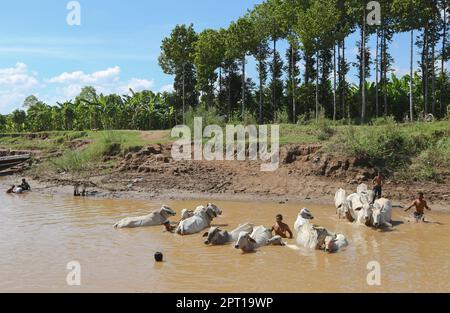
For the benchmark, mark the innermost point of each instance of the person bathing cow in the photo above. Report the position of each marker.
(420, 204)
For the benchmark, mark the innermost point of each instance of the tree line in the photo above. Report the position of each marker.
(310, 79)
(307, 81)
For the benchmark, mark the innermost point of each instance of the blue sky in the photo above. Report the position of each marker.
(115, 47)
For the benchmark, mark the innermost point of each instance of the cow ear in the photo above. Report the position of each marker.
(205, 234)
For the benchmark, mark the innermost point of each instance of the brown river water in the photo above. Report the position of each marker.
(41, 234)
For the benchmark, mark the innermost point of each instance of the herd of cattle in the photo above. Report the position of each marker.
(356, 208)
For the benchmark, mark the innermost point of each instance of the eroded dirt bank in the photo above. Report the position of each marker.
(305, 173)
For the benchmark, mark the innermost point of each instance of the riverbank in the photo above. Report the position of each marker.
(138, 165)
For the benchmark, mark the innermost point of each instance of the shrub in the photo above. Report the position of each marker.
(281, 117)
(387, 120)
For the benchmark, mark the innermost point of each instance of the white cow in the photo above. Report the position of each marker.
(382, 213)
(314, 237)
(334, 243)
(309, 235)
(215, 236)
(340, 200)
(201, 220)
(156, 218)
(260, 237)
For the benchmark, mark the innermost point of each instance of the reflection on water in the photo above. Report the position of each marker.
(40, 234)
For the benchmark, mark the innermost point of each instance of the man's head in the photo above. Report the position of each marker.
(24, 180)
(279, 218)
(421, 195)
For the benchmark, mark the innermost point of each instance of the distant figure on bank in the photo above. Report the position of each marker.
(77, 193)
(377, 187)
(25, 185)
(420, 204)
(281, 229)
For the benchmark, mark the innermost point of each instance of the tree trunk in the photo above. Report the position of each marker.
(243, 87)
(334, 83)
(411, 80)
(184, 96)
(344, 77)
(426, 71)
(260, 92)
(433, 74)
(340, 77)
(385, 78)
(294, 116)
(274, 64)
(377, 102)
(220, 85)
(229, 94)
(444, 42)
(363, 69)
(317, 86)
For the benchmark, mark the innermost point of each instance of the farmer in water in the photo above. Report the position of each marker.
(420, 204)
(25, 185)
(282, 229)
(378, 187)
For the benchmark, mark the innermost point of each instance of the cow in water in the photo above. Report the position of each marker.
(216, 236)
(260, 237)
(156, 218)
(314, 237)
(202, 219)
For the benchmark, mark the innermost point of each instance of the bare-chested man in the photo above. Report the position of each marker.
(420, 204)
(282, 229)
(378, 186)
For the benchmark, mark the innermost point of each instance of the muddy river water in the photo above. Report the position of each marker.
(41, 234)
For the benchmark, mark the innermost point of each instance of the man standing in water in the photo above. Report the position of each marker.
(378, 187)
(420, 205)
(281, 229)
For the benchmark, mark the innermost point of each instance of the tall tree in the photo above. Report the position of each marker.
(209, 51)
(240, 42)
(177, 56)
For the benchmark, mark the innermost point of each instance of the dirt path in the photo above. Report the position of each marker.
(152, 137)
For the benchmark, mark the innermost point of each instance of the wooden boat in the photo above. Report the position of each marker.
(12, 161)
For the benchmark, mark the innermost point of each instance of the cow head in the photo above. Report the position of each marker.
(365, 214)
(331, 244)
(212, 235)
(215, 208)
(245, 242)
(377, 219)
(306, 214)
(276, 241)
(185, 214)
(167, 212)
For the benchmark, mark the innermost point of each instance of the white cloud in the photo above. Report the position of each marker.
(137, 84)
(166, 88)
(110, 75)
(16, 83)
(105, 81)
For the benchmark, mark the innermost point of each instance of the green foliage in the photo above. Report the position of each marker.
(281, 117)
